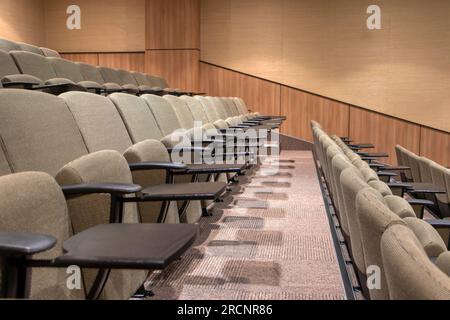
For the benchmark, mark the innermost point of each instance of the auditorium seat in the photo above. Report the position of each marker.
(92, 73)
(39, 133)
(35, 224)
(66, 69)
(30, 48)
(11, 76)
(102, 128)
(410, 275)
(41, 67)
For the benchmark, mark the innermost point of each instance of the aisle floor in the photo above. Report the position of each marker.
(270, 240)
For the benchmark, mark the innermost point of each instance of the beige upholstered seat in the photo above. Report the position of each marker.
(39, 133)
(32, 202)
(410, 275)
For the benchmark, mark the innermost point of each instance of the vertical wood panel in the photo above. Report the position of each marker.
(300, 108)
(384, 132)
(126, 61)
(179, 67)
(173, 24)
(261, 96)
(435, 145)
(90, 58)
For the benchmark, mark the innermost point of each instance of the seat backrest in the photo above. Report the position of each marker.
(351, 184)
(126, 77)
(110, 75)
(182, 110)
(32, 202)
(219, 107)
(7, 65)
(414, 161)
(438, 176)
(208, 108)
(50, 53)
(7, 45)
(66, 69)
(91, 73)
(165, 115)
(240, 103)
(425, 170)
(34, 64)
(99, 122)
(374, 218)
(141, 79)
(137, 116)
(410, 274)
(159, 82)
(232, 109)
(38, 131)
(196, 108)
(30, 48)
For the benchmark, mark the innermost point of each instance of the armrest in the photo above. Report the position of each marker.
(189, 149)
(24, 243)
(362, 145)
(239, 127)
(386, 174)
(24, 80)
(207, 141)
(373, 155)
(397, 168)
(377, 165)
(402, 185)
(420, 202)
(157, 166)
(440, 224)
(368, 158)
(110, 188)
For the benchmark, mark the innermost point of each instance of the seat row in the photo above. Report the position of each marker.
(429, 175)
(30, 67)
(396, 254)
(121, 159)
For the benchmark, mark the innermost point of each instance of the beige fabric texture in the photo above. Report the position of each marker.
(182, 111)
(196, 108)
(66, 69)
(443, 263)
(438, 175)
(99, 121)
(165, 116)
(410, 273)
(8, 66)
(34, 64)
(428, 236)
(137, 116)
(88, 211)
(351, 185)
(38, 131)
(91, 73)
(374, 218)
(32, 202)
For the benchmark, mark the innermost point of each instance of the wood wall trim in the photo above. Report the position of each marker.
(336, 117)
(179, 67)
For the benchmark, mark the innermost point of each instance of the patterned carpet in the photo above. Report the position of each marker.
(270, 240)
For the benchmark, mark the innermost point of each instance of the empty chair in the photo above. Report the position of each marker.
(127, 81)
(41, 68)
(70, 70)
(11, 76)
(410, 275)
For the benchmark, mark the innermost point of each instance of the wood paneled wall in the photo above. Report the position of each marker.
(134, 61)
(324, 47)
(22, 21)
(173, 42)
(173, 24)
(89, 58)
(179, 67)
(168, 47)
(106, 26)
(336, 117)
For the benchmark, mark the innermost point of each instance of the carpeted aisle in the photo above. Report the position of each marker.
(271, 240)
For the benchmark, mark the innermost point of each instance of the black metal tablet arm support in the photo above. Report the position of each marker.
(103, 247)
